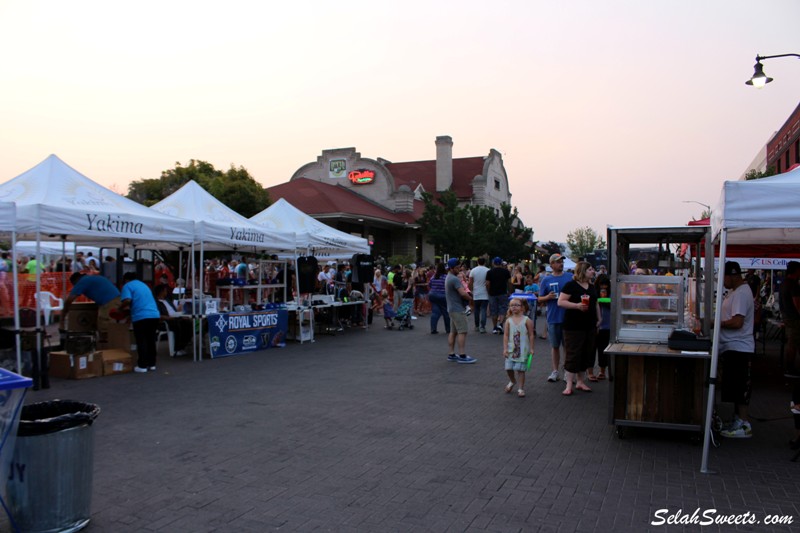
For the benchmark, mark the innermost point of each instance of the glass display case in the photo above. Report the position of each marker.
(648, 308)
(655, 386)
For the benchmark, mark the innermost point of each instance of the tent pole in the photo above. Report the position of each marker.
(714, 352)
(199, 329)
(64, 266)
(15, 272)
(39, 326)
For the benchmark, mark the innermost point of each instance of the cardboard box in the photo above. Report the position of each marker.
(79, 343)
(116, 362)
(82, 317)
(69, 366)
(117, 336)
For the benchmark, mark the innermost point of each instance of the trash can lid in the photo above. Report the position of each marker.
(9, 380)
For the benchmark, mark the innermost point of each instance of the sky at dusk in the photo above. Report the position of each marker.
(606, 112)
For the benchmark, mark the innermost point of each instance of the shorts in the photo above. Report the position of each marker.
(498, 305)
(458, 322)
(736, 382)
(579, 349)
(517, 366)
(555, 335)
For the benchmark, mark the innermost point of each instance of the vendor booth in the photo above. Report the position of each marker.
(314, 238)
(756, 212)
(9, 292)
(54, 202)
(656, 385)
(217, 227)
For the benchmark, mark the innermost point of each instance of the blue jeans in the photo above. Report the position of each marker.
(439, 309)
(479, 311)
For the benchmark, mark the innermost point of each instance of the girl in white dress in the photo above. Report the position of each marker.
(517, 344)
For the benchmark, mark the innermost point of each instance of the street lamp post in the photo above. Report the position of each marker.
(759, 79)
(708, 207)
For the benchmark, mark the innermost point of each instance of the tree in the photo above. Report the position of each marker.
(234, 188)
(583, 241)
(544, 251)
(754, 174)
(512, 240)
(445, 225)
(473, 230)
(239, 191)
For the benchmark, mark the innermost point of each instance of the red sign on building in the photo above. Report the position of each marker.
(361, 176)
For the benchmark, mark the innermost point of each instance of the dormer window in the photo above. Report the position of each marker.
(418, 192)
(496, 184)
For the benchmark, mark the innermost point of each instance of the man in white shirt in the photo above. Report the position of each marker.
(480, 296)
(736, 347)
(325, 278)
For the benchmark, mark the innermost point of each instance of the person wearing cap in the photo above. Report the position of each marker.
(455, 296)
(497, 286)
(549, 290)
(736, 347)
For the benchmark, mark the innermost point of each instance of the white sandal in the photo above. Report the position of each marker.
(510, 387)
(521, 393)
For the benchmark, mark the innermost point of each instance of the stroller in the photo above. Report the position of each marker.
(403, 313)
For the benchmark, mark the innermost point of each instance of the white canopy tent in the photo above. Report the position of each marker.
(218, 227)
(313, 237)
(50, 248)
(760, 211)
(569, 265)
(55, 202)
(8, 219)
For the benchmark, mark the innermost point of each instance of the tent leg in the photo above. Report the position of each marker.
(714, 354)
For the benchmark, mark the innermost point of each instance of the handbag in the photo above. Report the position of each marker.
(528, 364)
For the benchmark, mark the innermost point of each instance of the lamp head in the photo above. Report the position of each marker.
(759, 79)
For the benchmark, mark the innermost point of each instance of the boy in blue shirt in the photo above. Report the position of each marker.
(138, 297)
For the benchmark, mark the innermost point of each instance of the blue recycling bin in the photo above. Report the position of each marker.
(12, 395)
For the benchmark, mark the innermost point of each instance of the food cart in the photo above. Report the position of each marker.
(653, 385)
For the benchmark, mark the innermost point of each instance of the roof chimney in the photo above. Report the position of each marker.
(444, 162)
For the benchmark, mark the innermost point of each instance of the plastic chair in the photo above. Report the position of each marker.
(164, 331)
(46, 300)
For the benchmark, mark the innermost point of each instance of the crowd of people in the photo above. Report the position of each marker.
(574, 306)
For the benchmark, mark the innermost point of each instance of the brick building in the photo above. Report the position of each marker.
(382, 201)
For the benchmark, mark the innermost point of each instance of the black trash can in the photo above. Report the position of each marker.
(50, 482)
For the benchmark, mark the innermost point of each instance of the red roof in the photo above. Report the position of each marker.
(317, 198)
(415, 172)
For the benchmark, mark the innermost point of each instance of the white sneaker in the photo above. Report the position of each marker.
(742, 432)
(553, 376)
(733, 425)
(139, 369)
(151, 368)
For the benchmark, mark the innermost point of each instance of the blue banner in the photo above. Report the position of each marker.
(237, 333)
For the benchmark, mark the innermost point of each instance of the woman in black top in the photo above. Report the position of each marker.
(581, 319)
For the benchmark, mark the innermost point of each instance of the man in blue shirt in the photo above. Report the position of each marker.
(98, 289)
(138, 297)
(549, 289)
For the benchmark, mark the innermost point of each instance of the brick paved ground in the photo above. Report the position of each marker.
(376, 431)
